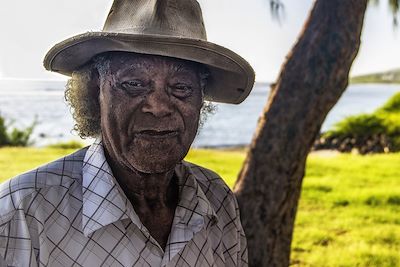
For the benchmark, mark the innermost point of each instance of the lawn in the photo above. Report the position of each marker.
(349, 213)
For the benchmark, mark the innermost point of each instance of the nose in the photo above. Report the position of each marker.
(158, 103)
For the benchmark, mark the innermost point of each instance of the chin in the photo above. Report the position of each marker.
(156, 159)
(159, 167)
(154, 165)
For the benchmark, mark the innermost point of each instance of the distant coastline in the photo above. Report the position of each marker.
(387, 77)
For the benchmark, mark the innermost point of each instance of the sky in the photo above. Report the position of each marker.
(30, 28)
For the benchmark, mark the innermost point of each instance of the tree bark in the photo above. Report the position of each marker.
(310, 83)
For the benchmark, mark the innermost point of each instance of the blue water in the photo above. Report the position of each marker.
(22, 101)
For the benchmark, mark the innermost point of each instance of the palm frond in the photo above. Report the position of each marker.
(395, 8)
(277, 9)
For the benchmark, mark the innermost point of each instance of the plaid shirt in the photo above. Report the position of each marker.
(72, 212)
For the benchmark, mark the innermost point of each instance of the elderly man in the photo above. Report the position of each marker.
(129, 199)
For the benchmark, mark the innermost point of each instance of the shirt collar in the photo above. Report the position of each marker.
(104, 202)
(192, 199)
(193, 213)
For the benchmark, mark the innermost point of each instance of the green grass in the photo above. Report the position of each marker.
(15, 160)
(349, 212)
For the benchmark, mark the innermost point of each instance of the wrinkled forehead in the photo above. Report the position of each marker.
(120, 61)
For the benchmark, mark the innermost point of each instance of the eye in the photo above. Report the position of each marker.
(181, 90)
(134, 86)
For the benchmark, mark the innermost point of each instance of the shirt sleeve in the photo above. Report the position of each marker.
(15, 239)
(15, 243)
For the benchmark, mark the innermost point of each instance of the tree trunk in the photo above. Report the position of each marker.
(311, 82)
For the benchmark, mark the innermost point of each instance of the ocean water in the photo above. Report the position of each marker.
(23, 101)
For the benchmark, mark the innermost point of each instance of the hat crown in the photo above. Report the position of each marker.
(178, 18)
(170, 28)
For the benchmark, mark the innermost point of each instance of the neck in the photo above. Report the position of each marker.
(154, 196)
(145, 190)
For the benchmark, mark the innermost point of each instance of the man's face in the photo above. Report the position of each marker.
(150, 108)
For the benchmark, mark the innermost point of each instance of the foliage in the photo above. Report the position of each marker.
(385, 120)
(3, 133)
(362, 126)
(277, 7)
(395, 8)
(20, 137)
(15, 136)
(345, 209)
(392, 105)
(73, 144)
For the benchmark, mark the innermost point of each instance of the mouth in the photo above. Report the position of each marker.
(157, 133)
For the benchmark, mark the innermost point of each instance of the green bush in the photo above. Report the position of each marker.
(392, 105)
(67, 145)
(361, 126)
(3, 133)
(384, 121)
(15, 136)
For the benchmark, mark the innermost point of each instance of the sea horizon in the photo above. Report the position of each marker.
(23, 100)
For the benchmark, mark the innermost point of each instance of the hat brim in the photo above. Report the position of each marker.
(231, 79)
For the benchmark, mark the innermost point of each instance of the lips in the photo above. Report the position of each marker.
(157, 133)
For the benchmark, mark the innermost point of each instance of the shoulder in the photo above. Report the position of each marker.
(228, 228)
(208, 179)
(59, 173)
(215, 189)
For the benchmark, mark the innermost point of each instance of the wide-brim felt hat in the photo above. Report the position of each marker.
(172, 28)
